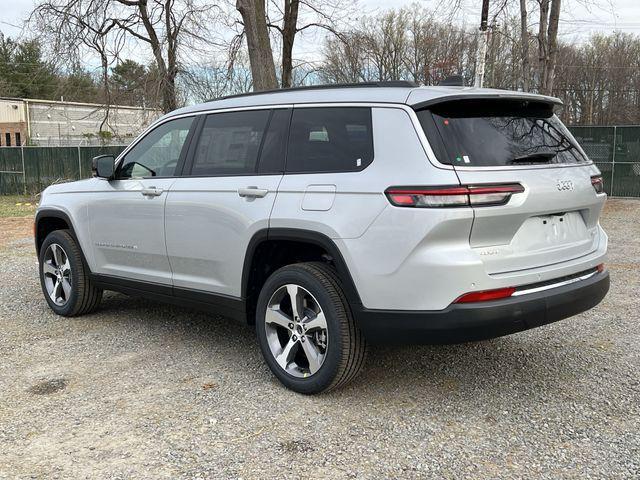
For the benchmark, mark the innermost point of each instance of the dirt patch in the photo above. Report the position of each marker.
(47, 387)
(15, 228)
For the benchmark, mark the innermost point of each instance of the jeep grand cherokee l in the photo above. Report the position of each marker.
(335, 217)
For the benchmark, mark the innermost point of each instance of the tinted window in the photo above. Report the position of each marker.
(157, 154)
(331, 139)
(275, 143)
(490, 133)
(229, 143)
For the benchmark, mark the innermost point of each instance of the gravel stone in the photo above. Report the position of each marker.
(143, 390)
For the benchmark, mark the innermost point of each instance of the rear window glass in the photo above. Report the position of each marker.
(498, 133)
(330, 139)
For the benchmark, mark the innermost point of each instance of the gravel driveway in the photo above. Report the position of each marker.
(140, 390)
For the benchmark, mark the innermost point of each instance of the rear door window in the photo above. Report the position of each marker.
(498, 133)
(229, 143)
(330, 139)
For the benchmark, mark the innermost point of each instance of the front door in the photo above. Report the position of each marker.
(126, 214)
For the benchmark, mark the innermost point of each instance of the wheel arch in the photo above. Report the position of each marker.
(47, 220)
(301, 237)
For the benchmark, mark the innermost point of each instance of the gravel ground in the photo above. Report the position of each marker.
(139, 390)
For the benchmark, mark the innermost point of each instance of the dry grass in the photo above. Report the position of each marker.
(17, 206)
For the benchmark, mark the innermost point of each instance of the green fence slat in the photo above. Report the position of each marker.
(11, 161)
(48, 165)
(597, 142)
(626, 179)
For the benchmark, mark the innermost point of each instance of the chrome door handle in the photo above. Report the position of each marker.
(152, 192)
(252, 192)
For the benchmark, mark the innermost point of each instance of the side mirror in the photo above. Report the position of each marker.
(103, 166)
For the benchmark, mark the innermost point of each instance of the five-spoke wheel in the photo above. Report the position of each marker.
(66, 281)
(305, 329)
(57, 274)
(296, 330)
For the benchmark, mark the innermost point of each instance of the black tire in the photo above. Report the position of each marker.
(84, 296)
(346, 349)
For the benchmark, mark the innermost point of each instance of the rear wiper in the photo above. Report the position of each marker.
(539, 157)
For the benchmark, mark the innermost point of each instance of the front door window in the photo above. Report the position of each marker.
(157, 154)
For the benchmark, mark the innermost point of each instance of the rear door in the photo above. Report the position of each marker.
(225, 195)
(491, 142)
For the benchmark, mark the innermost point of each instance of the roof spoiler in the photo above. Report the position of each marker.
(526, 97)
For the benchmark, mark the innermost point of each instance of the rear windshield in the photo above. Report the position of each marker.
(497, 133)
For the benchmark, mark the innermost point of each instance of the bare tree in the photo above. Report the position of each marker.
(77, 27)
(286, 20)
(524, 45)
(205, 82)
(163, 25)
(256, 32)
(290, 18)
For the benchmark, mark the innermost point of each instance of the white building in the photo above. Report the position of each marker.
(49, 122)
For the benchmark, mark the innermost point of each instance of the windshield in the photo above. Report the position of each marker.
(498, 133)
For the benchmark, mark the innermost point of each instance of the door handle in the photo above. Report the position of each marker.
(152, 192)
(252, 192)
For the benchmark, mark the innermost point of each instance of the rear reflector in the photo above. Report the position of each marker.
(598, 183)
(486, 295)
(454, 196)
(600, 268)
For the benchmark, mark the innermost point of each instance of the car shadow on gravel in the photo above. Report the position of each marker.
(518, 362)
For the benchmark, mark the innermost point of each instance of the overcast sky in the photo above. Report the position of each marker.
(577, 20)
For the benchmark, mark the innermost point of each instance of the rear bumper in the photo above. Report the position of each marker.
(483, 320)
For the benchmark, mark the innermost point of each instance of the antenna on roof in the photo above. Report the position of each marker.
(452, 81)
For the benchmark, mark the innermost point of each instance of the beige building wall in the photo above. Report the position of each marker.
(13, 123)
(47, 122)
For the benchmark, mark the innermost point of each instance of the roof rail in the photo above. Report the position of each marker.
(391, 83)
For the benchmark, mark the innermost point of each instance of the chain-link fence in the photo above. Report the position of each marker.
(28, 170)
(616, 151)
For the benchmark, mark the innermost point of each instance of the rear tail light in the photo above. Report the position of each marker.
(486, 295)
(598, 183)
(455, 196)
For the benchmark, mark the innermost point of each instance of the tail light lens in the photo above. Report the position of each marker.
(486, 295)
(598, 183)
(455, 196)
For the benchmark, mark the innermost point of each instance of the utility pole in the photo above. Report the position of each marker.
(483, 37)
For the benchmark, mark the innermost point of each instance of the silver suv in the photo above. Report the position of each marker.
(334, 217)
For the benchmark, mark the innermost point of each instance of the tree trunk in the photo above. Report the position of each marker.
(288, 37)
(552, 47)
(107, 91)
(542, 42)
(263, 68)
(524, 45)
(167, 74)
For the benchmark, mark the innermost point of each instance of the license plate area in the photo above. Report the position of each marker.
(546, 231)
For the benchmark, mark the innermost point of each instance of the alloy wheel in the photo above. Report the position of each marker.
(296, 330)
(56, 270)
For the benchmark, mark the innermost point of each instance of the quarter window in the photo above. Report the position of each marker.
(230, 143)
(158, 153)
(330, 139)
